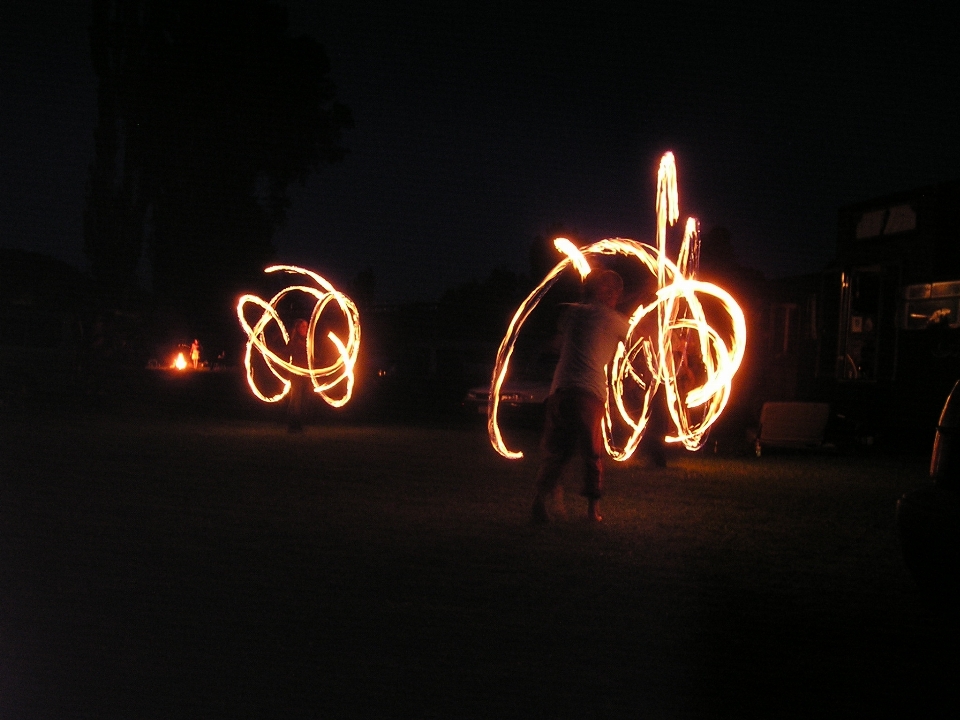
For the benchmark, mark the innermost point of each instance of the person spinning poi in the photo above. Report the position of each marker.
(591, 332)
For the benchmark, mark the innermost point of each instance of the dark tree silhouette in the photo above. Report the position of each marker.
(717, 254)
(114, 218)
(209, 110)
(480, 310)
(363, 288)
(719, 263)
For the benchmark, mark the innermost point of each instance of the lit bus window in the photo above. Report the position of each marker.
(931, 304)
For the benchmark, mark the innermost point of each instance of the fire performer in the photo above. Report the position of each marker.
(591, 332)
(297, 353)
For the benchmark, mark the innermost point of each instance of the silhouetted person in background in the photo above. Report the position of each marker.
(195, 353)
(591, 331)
(299, 386)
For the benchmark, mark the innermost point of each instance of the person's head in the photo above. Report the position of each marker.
(300, 328)
(603, 287)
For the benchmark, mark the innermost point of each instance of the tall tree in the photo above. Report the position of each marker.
(114, 217)
(209, 110)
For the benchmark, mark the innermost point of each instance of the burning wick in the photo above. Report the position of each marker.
(665, 340)
(338, 374)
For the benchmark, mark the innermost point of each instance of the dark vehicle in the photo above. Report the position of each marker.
(524, 391)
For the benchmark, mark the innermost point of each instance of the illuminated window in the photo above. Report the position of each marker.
(889, 221)
(901, 219)
(931, 304)
(871, 224)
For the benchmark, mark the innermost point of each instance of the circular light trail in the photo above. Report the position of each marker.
(689, 338)
(333, 382)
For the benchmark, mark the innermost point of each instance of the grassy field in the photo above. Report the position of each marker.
(188, 568)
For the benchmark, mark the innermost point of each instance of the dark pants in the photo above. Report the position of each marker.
(573, 426)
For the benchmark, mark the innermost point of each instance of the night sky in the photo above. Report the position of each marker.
(481, 125)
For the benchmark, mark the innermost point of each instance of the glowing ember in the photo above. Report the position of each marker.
(670, 341)
(334, 382)
(181, 362)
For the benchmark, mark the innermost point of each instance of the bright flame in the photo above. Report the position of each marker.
(576, 257)
(338, 374)
(665, 339)
(180, 363)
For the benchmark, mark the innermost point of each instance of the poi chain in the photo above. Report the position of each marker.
(663, 338)
(338, 375)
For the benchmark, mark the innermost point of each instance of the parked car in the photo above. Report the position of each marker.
(527, 390)
(513, 394)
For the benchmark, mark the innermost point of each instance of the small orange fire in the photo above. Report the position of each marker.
(180, 363)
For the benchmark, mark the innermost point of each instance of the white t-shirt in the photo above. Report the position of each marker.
(591, 333)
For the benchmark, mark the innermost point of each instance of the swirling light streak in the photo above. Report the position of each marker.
(338, 374)
(651, 356)
(576, 257)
